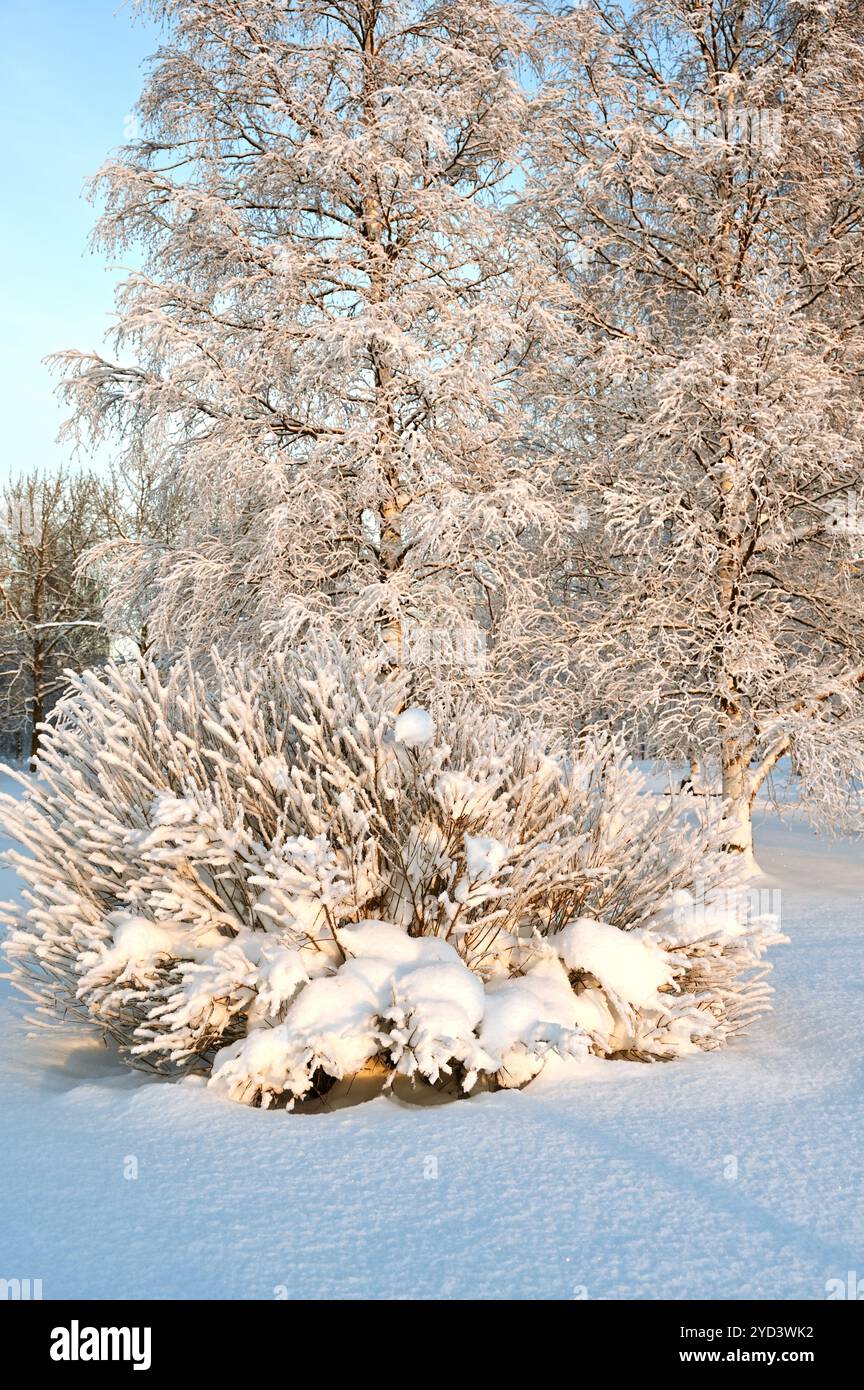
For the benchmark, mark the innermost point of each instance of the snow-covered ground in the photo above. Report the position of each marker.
(730, 1175)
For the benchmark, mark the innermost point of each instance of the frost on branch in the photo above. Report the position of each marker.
(278, 876)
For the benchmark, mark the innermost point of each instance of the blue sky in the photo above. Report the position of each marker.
(70, 73)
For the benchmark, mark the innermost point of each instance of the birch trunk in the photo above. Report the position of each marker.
(738, 797)
(377, 254)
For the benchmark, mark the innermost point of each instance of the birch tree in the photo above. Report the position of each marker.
(328, 327)
(702, 194)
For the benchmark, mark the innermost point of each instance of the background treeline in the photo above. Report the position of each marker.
(57, 530)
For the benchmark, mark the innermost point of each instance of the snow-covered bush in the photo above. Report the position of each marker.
(276, 876)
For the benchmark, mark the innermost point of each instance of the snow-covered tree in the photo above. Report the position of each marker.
(279, 876)
(701, 187)
(145, 503)
(50, 614)
(332, 311)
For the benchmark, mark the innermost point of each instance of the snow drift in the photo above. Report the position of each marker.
(278, 876)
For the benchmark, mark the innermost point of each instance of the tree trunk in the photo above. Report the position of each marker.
(378, 255)
(37, 687)
(738, 801)
(37, 713)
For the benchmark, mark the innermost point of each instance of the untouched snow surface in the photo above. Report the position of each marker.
(730, 1175)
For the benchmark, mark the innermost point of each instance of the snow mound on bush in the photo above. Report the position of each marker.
(413, 1002)
(624, 963)
(529, 1016)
